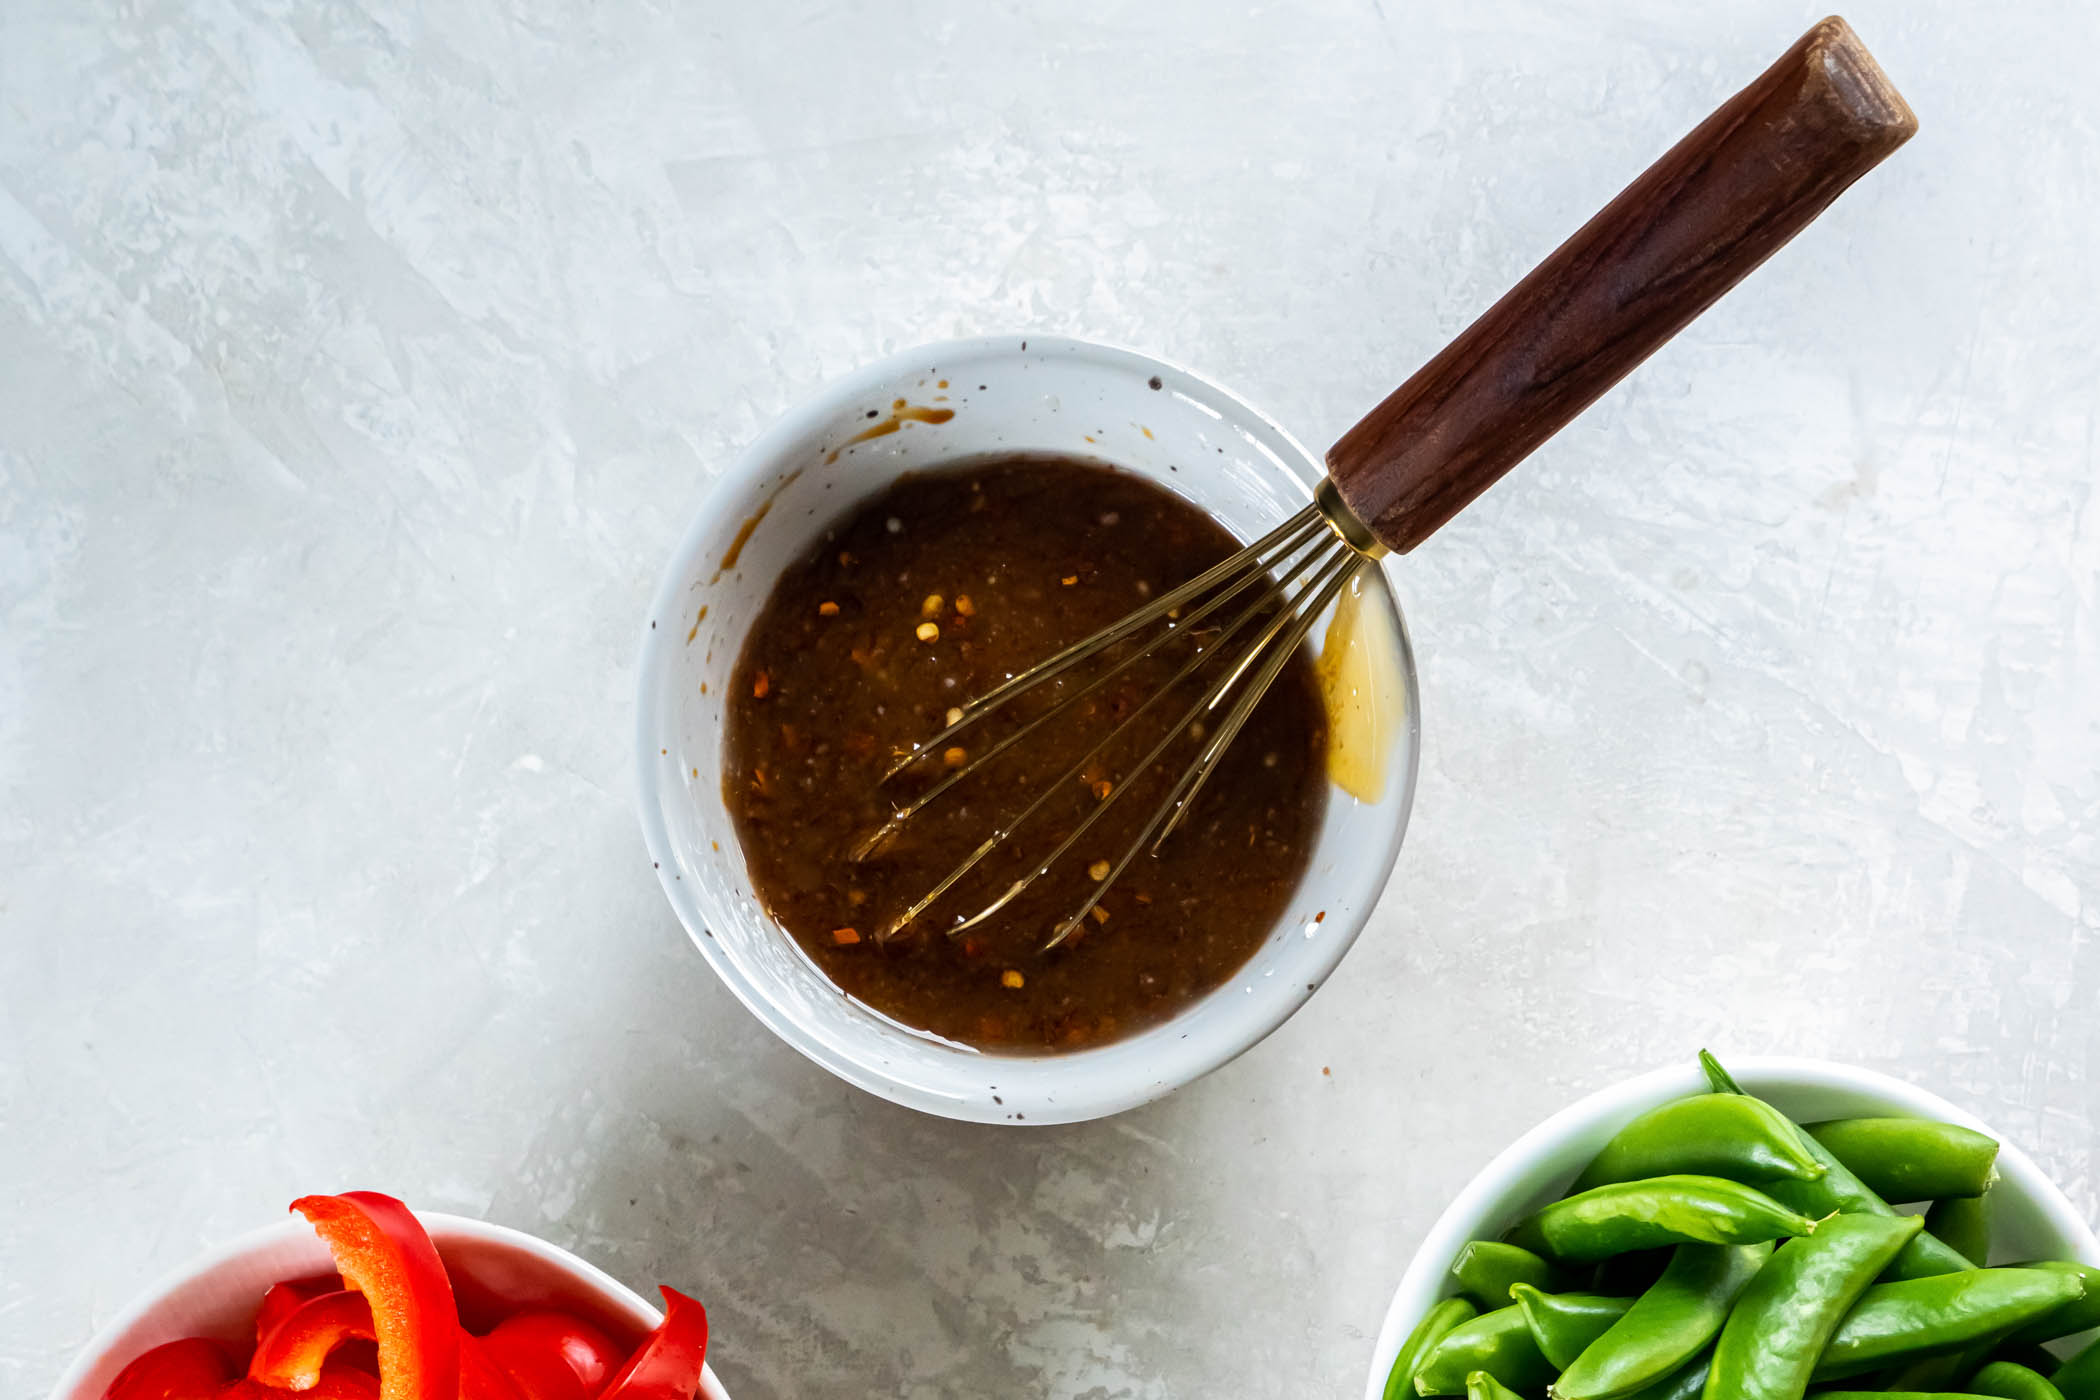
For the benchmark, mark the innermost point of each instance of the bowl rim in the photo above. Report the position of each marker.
(1084, 1098)
(442, 1227)
(1424, 1276)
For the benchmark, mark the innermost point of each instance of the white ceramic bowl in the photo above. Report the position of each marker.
(217, 1295)
(2031, 1219)
(1017, 394)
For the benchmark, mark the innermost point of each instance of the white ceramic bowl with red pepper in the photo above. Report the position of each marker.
(1006, 394)
(493, 1270)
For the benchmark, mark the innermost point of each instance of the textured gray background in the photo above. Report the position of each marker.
(359, 363)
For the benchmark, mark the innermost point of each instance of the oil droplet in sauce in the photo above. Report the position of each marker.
(901, 412)
(1365, 694)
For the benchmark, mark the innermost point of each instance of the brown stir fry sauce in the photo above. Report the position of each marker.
(928, 595)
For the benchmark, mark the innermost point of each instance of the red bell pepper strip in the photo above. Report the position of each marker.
(336, 1383)
(281, 1300)
(668, 1365)
(534, 1375)
(291, 1357)
(195, 1368)
(480, 1378)
(538, 1348)
(384, 1253)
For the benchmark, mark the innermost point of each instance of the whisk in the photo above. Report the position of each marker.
(1686, 230)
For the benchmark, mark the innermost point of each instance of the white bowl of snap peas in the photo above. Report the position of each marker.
(1693, 1184)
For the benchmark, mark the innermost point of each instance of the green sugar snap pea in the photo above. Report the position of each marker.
(1839, 1190)
(2079, 1378)
(1662, 1210)
(1564, 1324)
(1666, 1326)
(1787, 1313)
(2008, 1380)
(1482, 1386)
(2072, 1317)
(1400, 1381)
(1941, 1371)
(1485, 1270)
(1963, 1223)
(2037, 1359)
(1498, 1343)
(1911, 1159)
(1687, 1382)
(1726, 1135)
(1895, 1321)
(1717, 1078)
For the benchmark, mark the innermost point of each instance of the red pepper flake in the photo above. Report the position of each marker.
(827, 609)
(1102, 789)
(1071, 579)
(1100, 914)
(1320, 917)
(844, 936)
(760, 685)
(1326, 1071)
(964, 606)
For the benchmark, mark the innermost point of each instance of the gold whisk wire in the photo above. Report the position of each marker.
(1311, 551)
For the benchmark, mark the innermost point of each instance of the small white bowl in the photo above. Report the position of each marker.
(1008, 394)
(217, 1295)
(2031, 1219)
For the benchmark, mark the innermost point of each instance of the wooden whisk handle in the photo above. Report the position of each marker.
(1694, 224)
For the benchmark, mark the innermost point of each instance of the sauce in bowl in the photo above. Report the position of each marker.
(930, 594)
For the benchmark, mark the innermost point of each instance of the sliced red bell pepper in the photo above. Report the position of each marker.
(383, 1252)
(336, 1383)
(480, 1378)
(668, 1365)
(281, 1300)
(195, 1368)
(534, 1375)
(291, 1357)
(539, 1348)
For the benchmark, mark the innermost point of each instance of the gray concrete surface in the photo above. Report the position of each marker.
(359, 363)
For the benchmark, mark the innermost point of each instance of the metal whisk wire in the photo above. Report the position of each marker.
(1089, 646)
(1268, 551)
(1312, 546)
